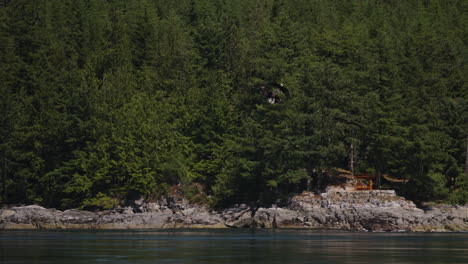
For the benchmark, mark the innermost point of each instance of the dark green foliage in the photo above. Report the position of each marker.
(103, 101)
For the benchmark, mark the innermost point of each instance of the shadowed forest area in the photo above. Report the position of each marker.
(103, 101)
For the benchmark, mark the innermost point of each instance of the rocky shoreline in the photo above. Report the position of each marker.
(334, 209)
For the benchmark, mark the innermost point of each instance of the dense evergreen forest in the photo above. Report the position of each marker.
(103, 101)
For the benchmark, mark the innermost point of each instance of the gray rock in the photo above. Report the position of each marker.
(6, 213)
(236, 216)
(375, 211)
(345, 210)
(278, 217)
(151, 207)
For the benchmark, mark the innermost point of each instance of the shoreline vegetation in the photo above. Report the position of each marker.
(219, 112)
(338, 206)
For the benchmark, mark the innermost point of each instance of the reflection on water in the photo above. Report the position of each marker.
(231, 246)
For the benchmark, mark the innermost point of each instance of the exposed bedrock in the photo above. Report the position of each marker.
(343, 210)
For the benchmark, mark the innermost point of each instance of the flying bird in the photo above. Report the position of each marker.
(273, 91)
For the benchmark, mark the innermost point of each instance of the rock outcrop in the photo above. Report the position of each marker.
(166, 213)
(334, 209)
(375, 211)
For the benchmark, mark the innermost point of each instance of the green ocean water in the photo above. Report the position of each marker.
(230, 246)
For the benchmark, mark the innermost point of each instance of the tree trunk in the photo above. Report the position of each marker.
(4, 175)
(310, 178)
(378, 178)
(309, 184)
(351, 159)
(466, 158)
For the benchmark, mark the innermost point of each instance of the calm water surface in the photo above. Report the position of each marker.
(231, 246)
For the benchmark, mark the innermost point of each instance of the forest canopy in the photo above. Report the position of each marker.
(103, 101)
